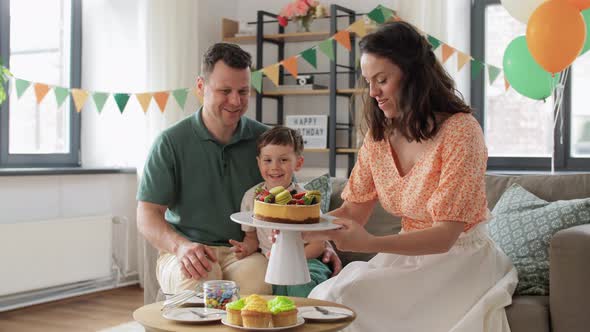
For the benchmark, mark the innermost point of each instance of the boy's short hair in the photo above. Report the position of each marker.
(281, 135)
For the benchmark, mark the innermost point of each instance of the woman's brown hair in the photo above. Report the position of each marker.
(427, 92)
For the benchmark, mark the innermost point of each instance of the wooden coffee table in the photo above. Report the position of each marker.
(150, 316)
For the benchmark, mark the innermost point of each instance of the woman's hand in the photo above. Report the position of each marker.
(350, 237)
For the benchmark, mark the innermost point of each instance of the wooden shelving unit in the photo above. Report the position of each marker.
(229, 30)
(311, 92)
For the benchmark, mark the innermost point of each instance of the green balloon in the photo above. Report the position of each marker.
(586, 15)
(524, 74)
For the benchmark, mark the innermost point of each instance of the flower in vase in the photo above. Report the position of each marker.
(301, 11)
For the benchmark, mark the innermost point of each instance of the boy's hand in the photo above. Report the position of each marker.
(243, 249)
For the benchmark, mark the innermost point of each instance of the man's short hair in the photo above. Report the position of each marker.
(231, 54)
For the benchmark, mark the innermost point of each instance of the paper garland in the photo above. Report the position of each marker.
(380, 15)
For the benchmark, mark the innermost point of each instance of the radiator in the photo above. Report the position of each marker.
(43, 254)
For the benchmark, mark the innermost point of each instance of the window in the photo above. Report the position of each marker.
(520, 132)
(40, 42)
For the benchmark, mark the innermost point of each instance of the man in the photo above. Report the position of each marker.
(195, 177)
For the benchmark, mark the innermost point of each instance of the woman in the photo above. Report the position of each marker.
(424, 159)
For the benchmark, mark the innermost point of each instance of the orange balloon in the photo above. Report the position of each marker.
(555, 35)
(580, 4)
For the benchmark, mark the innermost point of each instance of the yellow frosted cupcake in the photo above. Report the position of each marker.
(256, 313)
(234, 311)
(283, 310)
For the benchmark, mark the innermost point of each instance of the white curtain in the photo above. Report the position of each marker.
(173, 57)
(447, 20)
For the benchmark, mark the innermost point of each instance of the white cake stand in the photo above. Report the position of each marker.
(287, 264)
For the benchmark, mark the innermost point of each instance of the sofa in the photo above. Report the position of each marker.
(566, 309)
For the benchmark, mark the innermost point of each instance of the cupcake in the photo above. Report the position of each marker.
(283, 310)
(256, 313)
(234, 311)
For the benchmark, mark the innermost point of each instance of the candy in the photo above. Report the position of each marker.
(219, 295)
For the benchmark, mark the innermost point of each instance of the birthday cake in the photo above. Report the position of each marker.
(281, 206)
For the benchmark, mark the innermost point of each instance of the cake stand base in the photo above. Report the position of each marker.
(287, 264)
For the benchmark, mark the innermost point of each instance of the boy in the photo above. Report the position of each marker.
(279, 156)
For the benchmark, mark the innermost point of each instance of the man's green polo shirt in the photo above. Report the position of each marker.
(200, 180)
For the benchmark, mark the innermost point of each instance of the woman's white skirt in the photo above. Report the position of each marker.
(465, 289)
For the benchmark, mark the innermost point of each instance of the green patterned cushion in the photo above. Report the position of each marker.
(323, 184)
(523, 224)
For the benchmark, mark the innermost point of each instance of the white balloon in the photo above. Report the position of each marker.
(521, 9)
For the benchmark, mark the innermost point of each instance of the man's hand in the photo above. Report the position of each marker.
(331, 258)
(195, 260)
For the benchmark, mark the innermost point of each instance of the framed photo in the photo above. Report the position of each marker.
(313, 128)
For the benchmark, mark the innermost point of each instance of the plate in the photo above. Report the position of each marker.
(336, 313)
(245, 218)
(300, 321)
(188, 315)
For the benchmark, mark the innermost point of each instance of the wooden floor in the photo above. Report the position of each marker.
(91, 312)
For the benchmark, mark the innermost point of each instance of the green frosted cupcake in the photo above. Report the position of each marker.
(284, 311)
(234, 311)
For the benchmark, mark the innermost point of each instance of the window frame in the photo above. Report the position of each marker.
(563, 160)
(71, 159)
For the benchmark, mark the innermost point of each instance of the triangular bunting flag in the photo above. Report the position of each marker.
(272, 72)
(60, 95)
(506, 84)
(447, 51)
(80, 97)
(476, 67)
(359, 28)
(462, 59)
(493, 73)
(291, 65)
(121, 99)
(161, 99)
(180, 97)
(144, 100)
(386, 12)
(343, 38)
(377, 15)
(327, 47)
(40, 91)
(256, 80)
(21, 86)
(310, 55)
(434, 42)
(100, 98)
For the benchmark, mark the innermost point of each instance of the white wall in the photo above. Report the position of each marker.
(39, 198)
